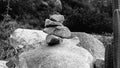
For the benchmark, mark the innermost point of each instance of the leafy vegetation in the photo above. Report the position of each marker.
(93, 16)
(96, 18)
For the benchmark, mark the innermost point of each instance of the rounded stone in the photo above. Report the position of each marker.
(50, 23)
(62, 31)
(58, 18)
(53, 40)
(49, 30)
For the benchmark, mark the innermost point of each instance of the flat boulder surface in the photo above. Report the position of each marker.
(3, 64)
(63, 55)
(92, 44)
(27, 37)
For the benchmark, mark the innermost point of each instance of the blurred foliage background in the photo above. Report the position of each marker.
(95, 17)
(91, 16)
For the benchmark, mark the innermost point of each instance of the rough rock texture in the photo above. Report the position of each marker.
(54, 26)
(27, 38)
(63, 55)
(10, 64)
(52, 40)
(93, 45)
(13, 62)
(49, 30)
(60, 31)
(106, 40)
(58, 18)
(99, 63)
(3, 64)
(49, 23)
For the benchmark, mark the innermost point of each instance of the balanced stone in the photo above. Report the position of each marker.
(50, 23)
(62, 31)
(53, 40)
(49, 30)
(58, 18)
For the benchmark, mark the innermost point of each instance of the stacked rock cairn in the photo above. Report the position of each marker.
(56, 30)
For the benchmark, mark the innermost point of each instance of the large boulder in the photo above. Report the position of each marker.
(63, 55)
(27, 38)
(3, 64)
(92, 44)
